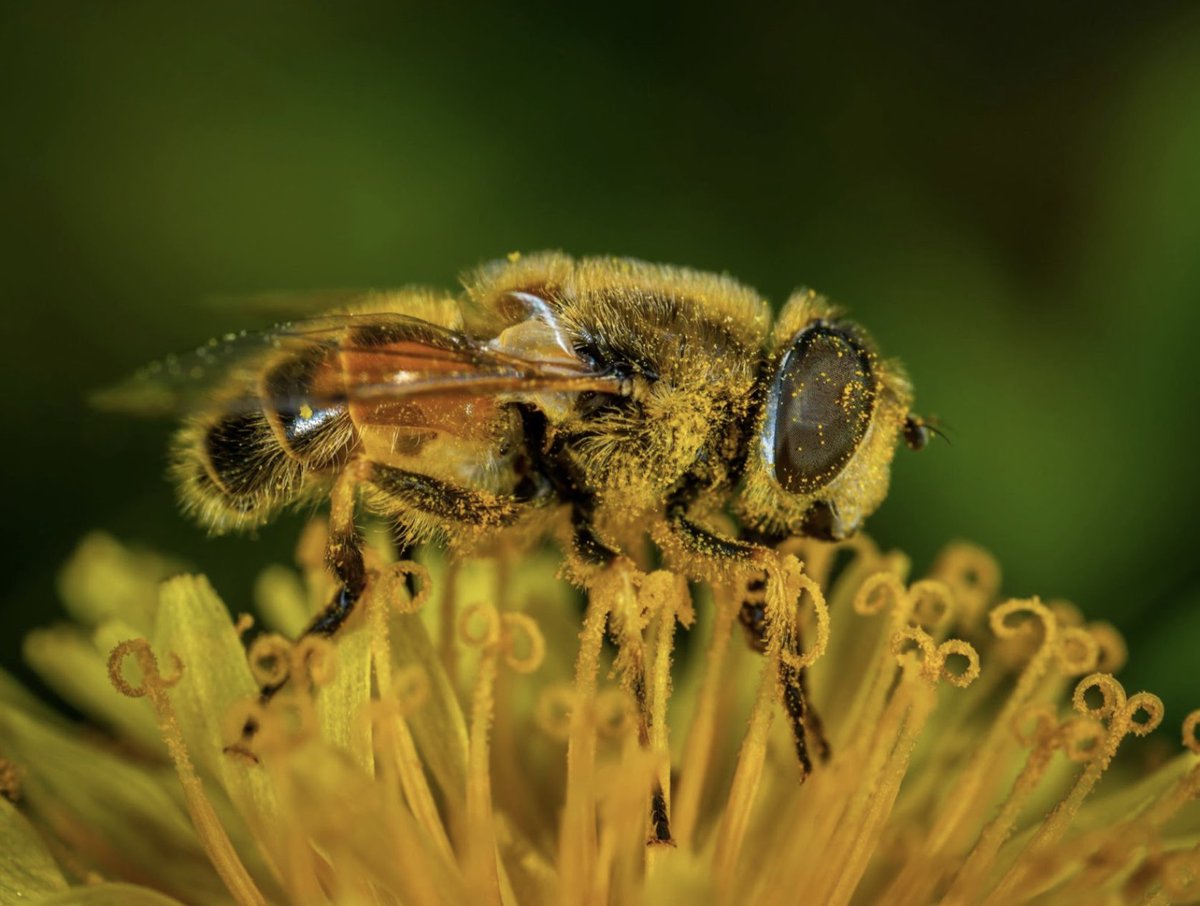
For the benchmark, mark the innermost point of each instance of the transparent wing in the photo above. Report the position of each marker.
(379, 356)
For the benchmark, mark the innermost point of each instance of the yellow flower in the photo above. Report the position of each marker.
(481, 743)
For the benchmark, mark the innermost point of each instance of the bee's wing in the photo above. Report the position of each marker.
(230, 364)
(381, 355)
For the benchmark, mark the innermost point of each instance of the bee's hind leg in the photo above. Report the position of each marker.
(344, 558)
(692, 539)
(343, 555)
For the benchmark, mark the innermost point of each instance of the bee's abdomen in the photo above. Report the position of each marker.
(232, 472)
(237, 466)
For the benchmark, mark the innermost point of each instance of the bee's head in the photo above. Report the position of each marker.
(831, 413)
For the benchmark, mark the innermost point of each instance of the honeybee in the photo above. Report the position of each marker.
(602, 400)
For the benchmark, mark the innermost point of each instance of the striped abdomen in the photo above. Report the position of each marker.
(245, 459)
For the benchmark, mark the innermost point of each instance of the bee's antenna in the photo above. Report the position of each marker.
(939, 430)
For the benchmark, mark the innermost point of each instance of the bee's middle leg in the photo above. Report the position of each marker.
(660, 819)
(588, 545)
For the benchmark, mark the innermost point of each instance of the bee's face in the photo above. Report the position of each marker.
(831, 413)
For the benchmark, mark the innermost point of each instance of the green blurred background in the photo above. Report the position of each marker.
(1009, 200)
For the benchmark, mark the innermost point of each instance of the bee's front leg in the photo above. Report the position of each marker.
(684, 536)
(794, 681)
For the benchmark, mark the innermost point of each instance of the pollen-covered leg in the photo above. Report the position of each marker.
(685, 539)
(660, 820)
(409, 496)
(343, 554)
(802, 718)
(626, 634)
(700, 551)
(344, 557)
(424, 504)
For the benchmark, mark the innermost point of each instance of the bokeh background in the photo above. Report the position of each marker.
(1007, 196)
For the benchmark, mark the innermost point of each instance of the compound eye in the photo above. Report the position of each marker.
(821, 404)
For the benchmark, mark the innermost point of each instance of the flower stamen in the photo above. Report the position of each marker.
(208, 826)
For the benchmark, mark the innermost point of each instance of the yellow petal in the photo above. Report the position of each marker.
(342, 702)
(194, 625)
(14, 694)
(370, 841)
(106, 580)
(109, 895)
(438, 725)
(117, 814)
(27, 871)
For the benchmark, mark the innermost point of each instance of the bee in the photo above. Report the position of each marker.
(602, 400)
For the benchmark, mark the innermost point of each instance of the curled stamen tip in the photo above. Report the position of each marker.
(784, 588)
(1066, 613)
(1191, 731)
(1004, 628)
(960, 649)
(245, 622)
(1082, 738)
(270, 659)
(912, 639)
(176, 674)
(552, 713)
(1045, 724)
(969, 566)
(932, 603)
(1113, 650)
(469, 630)
(1078, 651)
(315, 657)
(1112, 693)
(518, 625)
(1148, 704)
(152, 679)
(878, 592)
(116, 658)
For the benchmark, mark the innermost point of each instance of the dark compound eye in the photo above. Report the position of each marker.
(820, 406)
